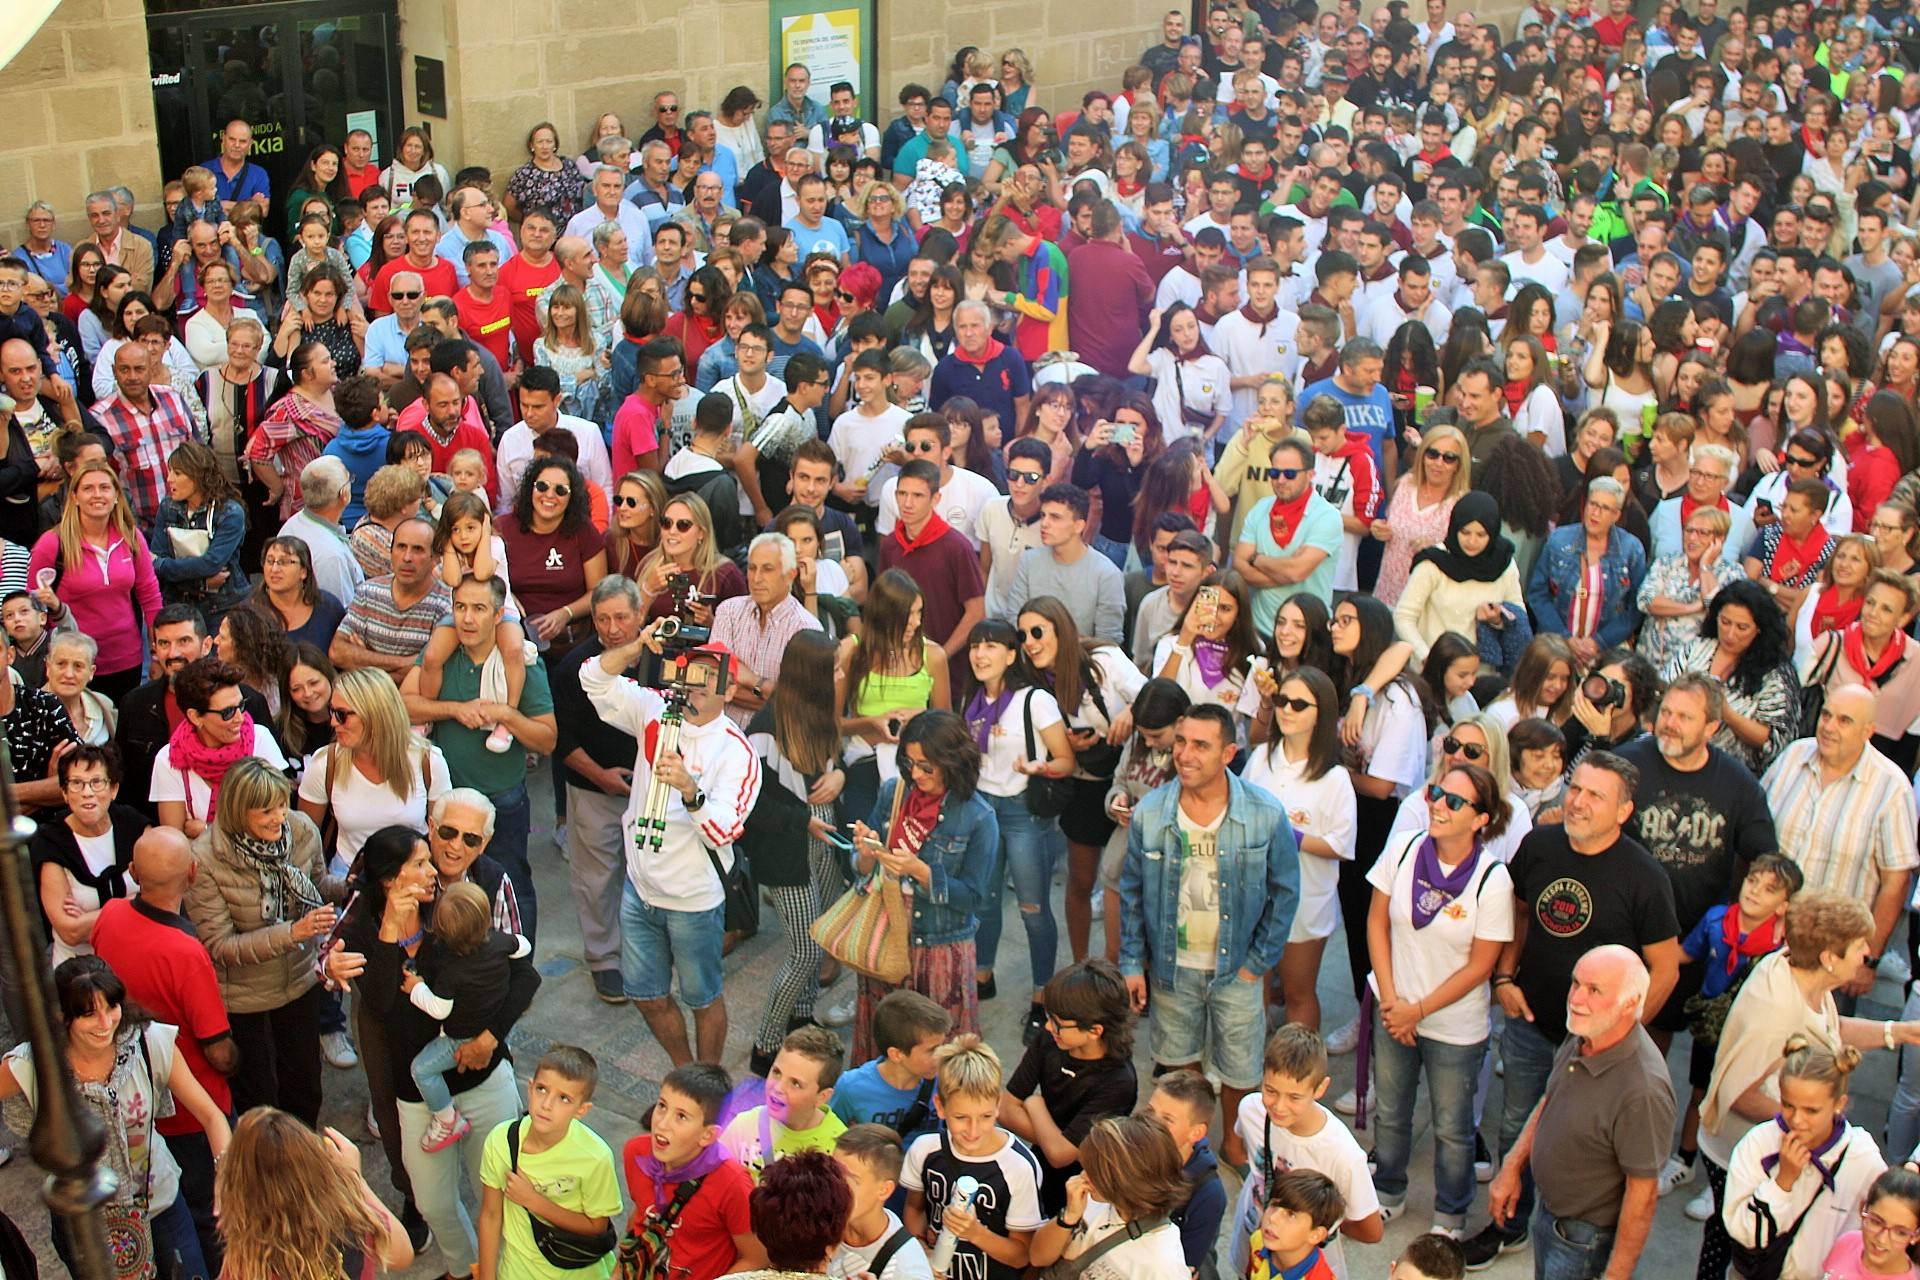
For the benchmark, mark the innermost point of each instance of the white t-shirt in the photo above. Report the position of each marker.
(1009, 536)
(1188, 675)
(1156, 1255)
(1197, 933)
(170, 783)
(959, 502)
(1333, 480)
(1412, 816)
(1393, 738)
(829, 579)
(1202, 385)
(98, 853)
(1331, 1152)
(1423, 959)
(858, 440)
(1121, 684)
(1321, 807)
(909, 1261)
(1007, 741)
(1550, 271)
(361, 807)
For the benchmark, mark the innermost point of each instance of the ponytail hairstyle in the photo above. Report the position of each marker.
(1804, 1058)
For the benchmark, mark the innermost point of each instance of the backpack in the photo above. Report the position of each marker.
(647, 1254)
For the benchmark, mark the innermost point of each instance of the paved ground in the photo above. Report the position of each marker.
(631, 1065)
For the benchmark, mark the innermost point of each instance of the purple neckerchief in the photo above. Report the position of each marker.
(1211, 657)
(709, 1159)
(1770, 1162)
(983, 715)
(1433, 889)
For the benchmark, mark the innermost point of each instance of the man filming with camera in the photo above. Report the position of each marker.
(695, 780)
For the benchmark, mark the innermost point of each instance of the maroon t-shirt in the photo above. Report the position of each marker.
(548, 570)
(1112, 294)
(947, 571)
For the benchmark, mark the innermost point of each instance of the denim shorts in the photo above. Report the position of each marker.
(1219, 1023)
(657, 941)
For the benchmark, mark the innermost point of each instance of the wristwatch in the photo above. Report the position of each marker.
(698, 802)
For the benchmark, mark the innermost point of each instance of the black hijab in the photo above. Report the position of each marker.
(1474, 507)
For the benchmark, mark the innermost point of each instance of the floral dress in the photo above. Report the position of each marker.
(583, 381)
(1414, 528)
(1660, 637)
(1775, 704)
(534, 188)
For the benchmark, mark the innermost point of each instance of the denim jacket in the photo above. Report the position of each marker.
(1556, 576)
(183, 578)
(1259, 882)
(961, 851)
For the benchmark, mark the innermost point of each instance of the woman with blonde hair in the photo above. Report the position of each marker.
(1016, 81)
(374, 773)
(567, 345)
(1130, 1182)
(294, 1205)
(101, 573)
(1418, 513)
(639, 499)
(687, 547)
(1675, 592)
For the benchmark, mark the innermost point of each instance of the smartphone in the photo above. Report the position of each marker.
(839, 842)
(1123, 432)
(334, 934)
(833, 546)
(1206, 607)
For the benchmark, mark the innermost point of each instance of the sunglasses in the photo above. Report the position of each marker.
(1454, 747)
(629, 502)
(541, 486)
(1283, 473)
(679, 524)
(922, 766)
(695, 297)
(1794, 460)
(1294, 704)
(227, 713)
(1437, 794)
(924, 446)
(341, 714)
(1441, 455)
(843, 295)
(471, 839)
(667, 111)
(406, 296)
(1026, 477)
(1037, 632)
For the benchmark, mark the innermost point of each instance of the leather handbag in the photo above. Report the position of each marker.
(869, 928)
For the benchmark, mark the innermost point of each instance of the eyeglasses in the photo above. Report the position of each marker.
(227, 713)
(923, 766)
(1442, 455)
(1877, 1224)
(672, 375)
(1454, 747)
(471, 839)
(1437, 794)
(620, 500)
(341, 714)
(279, 562)
(541, 486)
(679, 524)
(1294, 704)
(1056, 1024)
(404, 296)
(749, 348)
(1692, 532)
(1339, 620)
(1026, 477)
(1283, 473)
(1698, 474)
(1885, 526)
(84, 785)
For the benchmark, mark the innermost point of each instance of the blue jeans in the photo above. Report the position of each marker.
(430, 1067)
(657, 942)
(1566, 1248)
(512, 821)
(1451, 1071)
(1023, 848)
(1112, 550)
(1217, 1022)
(1528, 1056)
(1903, 1115)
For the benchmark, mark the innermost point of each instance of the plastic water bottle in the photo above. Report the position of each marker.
(964, 1190)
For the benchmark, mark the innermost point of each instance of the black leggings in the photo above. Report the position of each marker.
(1716, 1246)
(280, 1058)
(1373, 820)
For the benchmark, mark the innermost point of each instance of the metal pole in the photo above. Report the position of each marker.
(67, 1139)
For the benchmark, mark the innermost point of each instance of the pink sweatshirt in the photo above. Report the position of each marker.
(104, 603)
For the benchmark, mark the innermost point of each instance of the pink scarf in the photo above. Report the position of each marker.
(209, 764)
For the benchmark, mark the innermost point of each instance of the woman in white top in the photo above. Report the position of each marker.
(1620, 368)
(1389, 761)
(1529, 397)
(374, 773)
(81, 860)
(1462, 582)
(1476, 740)
(1300, 764)
(1130, 1182)
(1022, 737)
(1810, 1167)
(1543, 684)
(1207, 655)
(70, 658)
(1442, 908)
(215, 732)
(1191, 395)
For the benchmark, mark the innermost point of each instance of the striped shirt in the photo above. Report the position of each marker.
(142, 443)
(737, 624)
(376, 620)
(1842, 834)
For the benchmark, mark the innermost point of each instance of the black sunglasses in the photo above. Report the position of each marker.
(1026, 477)
(471, 839)
(541, 486)
(227, 713)
(1454, 747)
(679, 524)
(1437, 794)
(923, 446)
(1283, 473)
(623, 501)
(1038, 633)
(1294, 704)
(1794, 460)
(398, 296)
(340, 714)
(1441, 455)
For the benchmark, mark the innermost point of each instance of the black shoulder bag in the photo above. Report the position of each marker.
(1046, 797)
(567, 1250)
(1767, 1261)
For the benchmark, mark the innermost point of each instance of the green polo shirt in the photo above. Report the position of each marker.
(469, 762)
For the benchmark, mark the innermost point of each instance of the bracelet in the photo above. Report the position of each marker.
(569, 609)
(1365, 691)
(1886, 1033)
(1502, 980)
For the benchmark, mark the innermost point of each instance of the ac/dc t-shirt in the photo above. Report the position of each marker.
(1008, 1198)
(1574, 902)
(1700, 825)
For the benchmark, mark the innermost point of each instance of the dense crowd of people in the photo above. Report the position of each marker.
(1370, 473)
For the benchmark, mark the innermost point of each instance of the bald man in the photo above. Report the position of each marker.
(43, 407)
(1601, 1131)
(152, 945)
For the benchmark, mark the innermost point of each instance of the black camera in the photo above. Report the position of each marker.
(677, 631)
(1604, 692)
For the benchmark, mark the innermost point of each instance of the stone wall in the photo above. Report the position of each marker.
(76, 114)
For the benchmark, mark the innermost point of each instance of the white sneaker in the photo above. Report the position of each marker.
(838, 1012)
(1675, 1174)
(1349, 1102)
(338, 1050)
(1700, 1208)
(1894, 968)
(1483, 1162)
(1344, 1037)
(1451, 1233)
(1388, 1212)
(560, 838)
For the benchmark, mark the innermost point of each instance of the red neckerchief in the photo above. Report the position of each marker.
(1515, 394)
(1248, 314)
(828, 316)
(1434, 254)
(1689, 505)
(930, 533)
(1204, 316)
(1283, 521)
(1765, 937)
(1385, 271)
(1262, 178)
(1125, 188)
(1434, 157)
(919, 815)
(1311, 373)
(1832, 613)
(1406, 381)
(1798, 554)
(1407, 308)
(1499, 312)
(1547, 341)
(992, 353)
(1815, 143)
(1853, 642)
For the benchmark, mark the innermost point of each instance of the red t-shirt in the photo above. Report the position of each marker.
(487, 323)
(548, 569)
(522, 282)
(168, 972)
(358, 180)
(440, 281)
(947, 571)
(636, 432)
(1611, 31)
(703, 1247)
